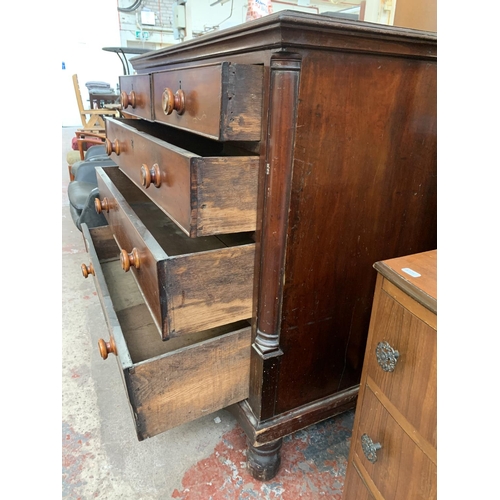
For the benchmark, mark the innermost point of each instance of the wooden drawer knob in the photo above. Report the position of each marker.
(127, 100)
(112, 147)
(101, 205)
(149, 175)
(130, 259)
(88, 270)
(171, 101)
(387, 357)
(106, 348)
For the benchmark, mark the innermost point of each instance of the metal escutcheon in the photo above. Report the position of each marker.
(370, 448)
(387, 357)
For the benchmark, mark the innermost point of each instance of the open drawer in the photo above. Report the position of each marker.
(189, 284)
(167, 383)
(205, 187)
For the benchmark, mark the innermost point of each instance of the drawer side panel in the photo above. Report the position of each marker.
(208, 289)
(227, 195)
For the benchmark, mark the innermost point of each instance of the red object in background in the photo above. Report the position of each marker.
(258, 8)
(74, 144)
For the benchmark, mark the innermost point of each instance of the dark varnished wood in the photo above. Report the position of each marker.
(190, 284)
(347, 178)
(370, 183)
(136, 95)
(263, 461)
(206, 189)
(221, 101)
(289, 30)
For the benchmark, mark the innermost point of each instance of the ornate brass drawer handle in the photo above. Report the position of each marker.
(149, 175)
(387, 357)
(370, 448)
(171, 101)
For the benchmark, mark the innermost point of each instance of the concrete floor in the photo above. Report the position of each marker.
(201, 460)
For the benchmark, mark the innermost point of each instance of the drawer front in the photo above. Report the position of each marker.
(402, 470)
(189, 284)
(412, 385)
(222, 101)
(167, 383)
(136, 95)
(354, 486)
(203, 195)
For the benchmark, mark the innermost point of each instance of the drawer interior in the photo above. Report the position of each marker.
(167, 383)
(137, 325)
(190, 142)
(169, 236)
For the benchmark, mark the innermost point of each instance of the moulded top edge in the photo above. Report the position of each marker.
(276, 30)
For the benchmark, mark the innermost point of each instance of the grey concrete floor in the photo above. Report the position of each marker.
(102, 457)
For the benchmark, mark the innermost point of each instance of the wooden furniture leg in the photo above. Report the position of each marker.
(263, 461)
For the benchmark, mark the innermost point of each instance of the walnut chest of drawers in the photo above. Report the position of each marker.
(393, 451)
(262, 170)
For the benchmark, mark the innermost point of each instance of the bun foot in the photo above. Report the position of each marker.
(264, 461)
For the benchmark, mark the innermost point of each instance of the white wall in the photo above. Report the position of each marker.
(86, 28)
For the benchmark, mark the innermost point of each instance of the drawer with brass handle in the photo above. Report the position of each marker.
(404, 366)
(167, 383)
(189, 284)
(207, 188)
(383, 450)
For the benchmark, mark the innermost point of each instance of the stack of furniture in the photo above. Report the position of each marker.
(268, 166)
(393, 451)
(92, 119)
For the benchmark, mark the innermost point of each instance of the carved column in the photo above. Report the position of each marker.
(266, 352)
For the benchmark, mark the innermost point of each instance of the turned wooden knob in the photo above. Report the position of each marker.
(171, 101)
(130, 259)
(106, 348)
(101, 205)
(149, 175)
(112, 147)
(88, 270)
(127, 100)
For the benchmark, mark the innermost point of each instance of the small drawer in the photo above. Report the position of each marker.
(208, 189)
(398, 455)
(135, 96)
(189, 284)
(221, 101)
(403, 363)
(167, 383)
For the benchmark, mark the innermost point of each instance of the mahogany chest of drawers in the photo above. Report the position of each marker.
(393, 451)
(266, 167)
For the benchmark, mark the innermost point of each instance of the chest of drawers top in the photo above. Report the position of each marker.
(415, 274)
